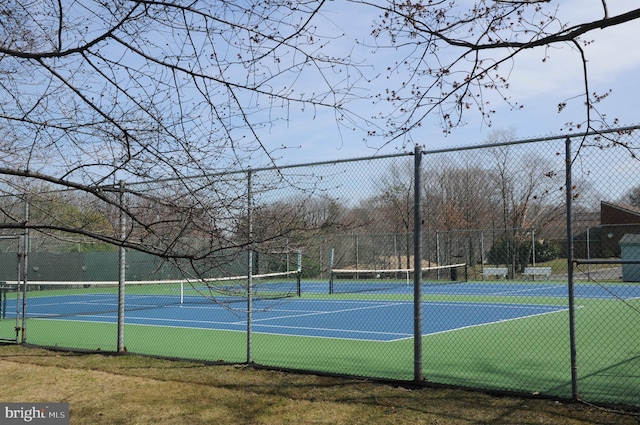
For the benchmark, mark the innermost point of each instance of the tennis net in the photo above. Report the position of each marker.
(353, 281)
(66, 298)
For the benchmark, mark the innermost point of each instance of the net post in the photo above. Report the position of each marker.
(331, 254)
(3, 299)
(181, 292)
(331, 282)
(299, 273)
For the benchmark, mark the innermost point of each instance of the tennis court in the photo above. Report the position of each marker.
(388, 317)
(503, 334)
(364, 320)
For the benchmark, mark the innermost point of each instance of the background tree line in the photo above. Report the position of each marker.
(506, 192)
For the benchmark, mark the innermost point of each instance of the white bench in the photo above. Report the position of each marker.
(498, 272)
(537, 271)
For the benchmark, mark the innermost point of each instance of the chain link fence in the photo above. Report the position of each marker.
(505, 282)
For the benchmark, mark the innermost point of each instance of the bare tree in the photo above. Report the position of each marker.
(459, 200)
(452, 57)
(632, 196)
(95, 93)
(529, 190)
(395, 206)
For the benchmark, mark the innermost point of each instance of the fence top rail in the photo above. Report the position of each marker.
(402, 154)
(273, 168)
(117, 187)
(533, 140)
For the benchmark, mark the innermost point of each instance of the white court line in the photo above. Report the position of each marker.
(493, 305)
(112, 317)
(109, 319)
(31, 303)
(324, 312)
(515, 292)
(488, 323)
(407, 336)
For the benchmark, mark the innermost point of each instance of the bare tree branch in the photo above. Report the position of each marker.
(454, 54)
(154, 92)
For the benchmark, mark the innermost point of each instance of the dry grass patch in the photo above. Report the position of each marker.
(138, 390)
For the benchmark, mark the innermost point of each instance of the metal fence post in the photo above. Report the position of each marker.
(572, 327)
(417, 265)
(121, 270)
(249, 266)
(25, 268)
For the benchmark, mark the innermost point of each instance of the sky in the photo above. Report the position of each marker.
(613, 64)
(313, 135)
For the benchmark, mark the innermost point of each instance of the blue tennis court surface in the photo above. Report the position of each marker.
(547, 289)
(373, 320)
(553, 290)
(360, 320)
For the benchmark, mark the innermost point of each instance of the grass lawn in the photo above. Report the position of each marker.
(131, 389)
